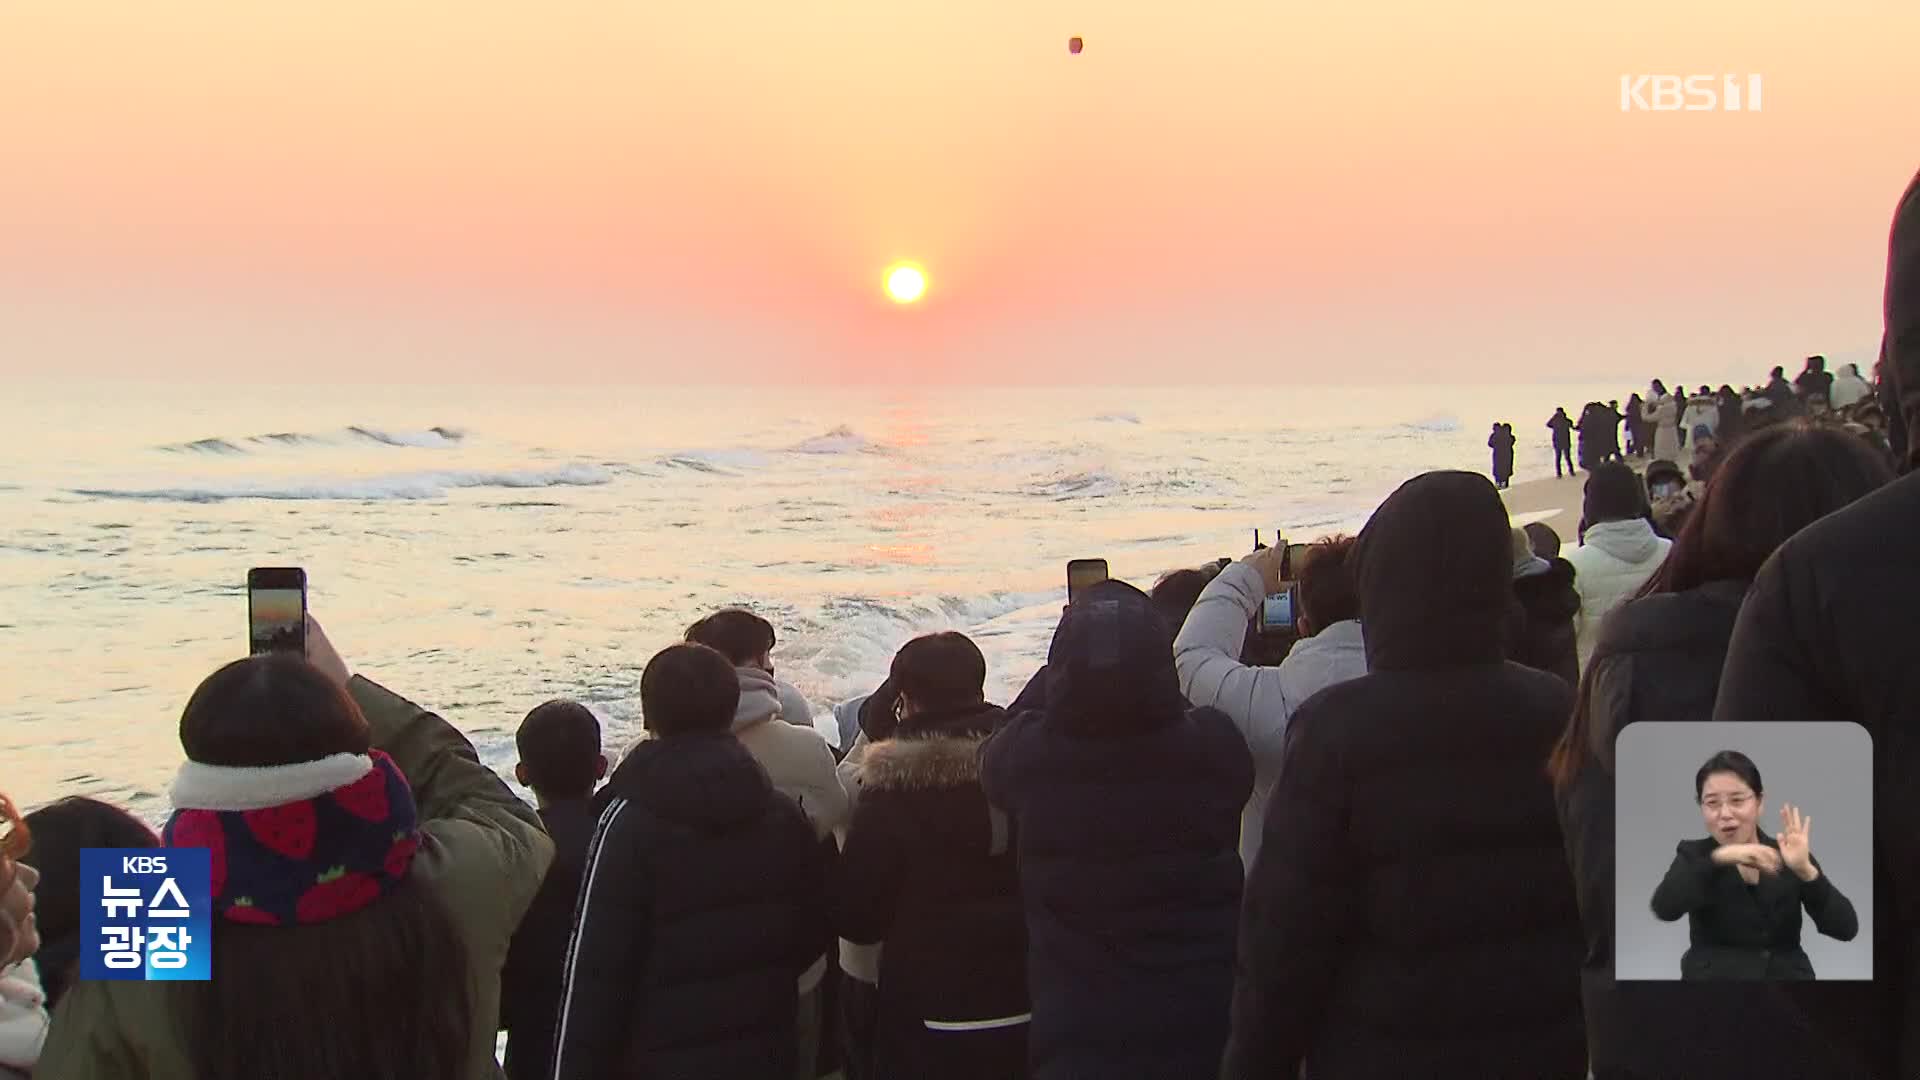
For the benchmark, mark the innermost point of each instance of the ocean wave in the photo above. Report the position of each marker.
(847, 647)
(429, 438)
(720, 462)
(400, 486)
(1087, 484)
(1117, 418)
(1438, 423)
(841, 440)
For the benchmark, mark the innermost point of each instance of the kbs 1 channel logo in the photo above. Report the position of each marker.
(146, 914)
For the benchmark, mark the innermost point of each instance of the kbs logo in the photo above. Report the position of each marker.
(1689, 93)
(146, 914)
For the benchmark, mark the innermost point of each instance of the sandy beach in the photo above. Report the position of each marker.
(1554, 502)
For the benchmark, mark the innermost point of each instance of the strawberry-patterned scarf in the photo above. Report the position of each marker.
(301, 843)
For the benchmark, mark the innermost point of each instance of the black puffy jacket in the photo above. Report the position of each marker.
(703, 901)
(1411, 913)
(1126, 809)
(530, 981)
(1541, 633)
(928, 869)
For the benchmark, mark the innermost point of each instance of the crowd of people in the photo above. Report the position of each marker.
(1387, 854)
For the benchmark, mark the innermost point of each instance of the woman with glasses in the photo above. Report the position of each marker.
(1742, 890)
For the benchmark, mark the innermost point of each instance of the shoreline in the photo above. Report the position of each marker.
(1554, 502)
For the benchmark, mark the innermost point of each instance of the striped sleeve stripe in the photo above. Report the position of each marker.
(594, 846)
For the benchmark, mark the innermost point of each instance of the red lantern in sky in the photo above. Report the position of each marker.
(1073, 46)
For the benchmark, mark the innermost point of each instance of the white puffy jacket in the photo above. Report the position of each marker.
(1610, 565)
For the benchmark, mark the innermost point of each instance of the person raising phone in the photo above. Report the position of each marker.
(1743, 911)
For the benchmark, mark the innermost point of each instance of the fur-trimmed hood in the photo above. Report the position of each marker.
(920, 763)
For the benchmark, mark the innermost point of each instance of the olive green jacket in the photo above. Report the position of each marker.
(482, 851)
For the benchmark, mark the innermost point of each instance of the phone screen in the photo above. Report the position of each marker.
(1082, 573)
(1276, 613)
(276, 610)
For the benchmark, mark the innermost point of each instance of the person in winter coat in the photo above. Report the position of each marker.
(1593, 436)
(1825, 635)
(1636, 427)
(1173, 597)
(60, 831)
(1562, 427)
(1662, 416)
(296, 771)
(1701, 411)
(1412, 913)
(704, 899)
(1658, 660)
(1126, 806)
(23, 1013)
(795, 755)
(1732, 415)
(1261, 701)
(928, 868)
(1849, 389)
(560, 761)
(1815, 382)
(1781, 394)
(1542, 635)
(1501, 442)
(1618, 549)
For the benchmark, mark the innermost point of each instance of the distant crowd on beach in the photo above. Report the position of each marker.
(1662, 425)
(1375, 842)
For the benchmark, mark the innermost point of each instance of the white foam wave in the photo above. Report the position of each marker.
(1439, 423)
(1085, 484)
(431, 438)
(724, 462)
(421, 485)
(841, 440)
(1117, 418)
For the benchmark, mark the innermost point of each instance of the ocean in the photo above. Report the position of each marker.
(481, 549)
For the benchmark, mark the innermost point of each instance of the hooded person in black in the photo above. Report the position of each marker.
(1126, 806)
(704, 898)
(1541, 633)
(1826, 634)
(928, 869)
(1411, 913)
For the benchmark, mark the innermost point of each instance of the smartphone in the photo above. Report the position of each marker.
(1291, 562)
(1666, 488)
(1082, 573)
(1276, 614)
(276, 609)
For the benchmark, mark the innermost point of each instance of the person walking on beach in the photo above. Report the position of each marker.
(1662, 415)
(1636, 425)
(1826, 635)
(1562, 427)
(1659, 660)
(1126, 805)
(1501, 442)
(1412, 841)
(1618, 549)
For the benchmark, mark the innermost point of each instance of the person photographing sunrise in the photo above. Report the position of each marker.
(1741, 890)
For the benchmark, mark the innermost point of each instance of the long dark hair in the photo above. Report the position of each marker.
(381, 994)
(1776, 482)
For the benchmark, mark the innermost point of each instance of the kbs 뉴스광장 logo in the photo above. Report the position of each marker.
(146, 914)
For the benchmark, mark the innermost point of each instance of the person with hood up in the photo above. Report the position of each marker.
(1126, 806)
(1618, 551)
(1261, 701)
(1502, 442)
(1412, 913)
(1733, 415)
(1593, 436)
(704, 898)
(1826, 635)
(1662, 416)
(795, 755)
(928, 869)
(1542, 634)
(1702, 411)
(1562, 427)
(1849, 389)
(1658, 660)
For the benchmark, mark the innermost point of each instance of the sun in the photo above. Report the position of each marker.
(906, 282)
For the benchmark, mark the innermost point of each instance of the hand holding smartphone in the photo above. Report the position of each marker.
(276, 610)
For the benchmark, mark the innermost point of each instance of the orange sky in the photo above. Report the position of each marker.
(1258, 189)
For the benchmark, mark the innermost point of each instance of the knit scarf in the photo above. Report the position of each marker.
(297, 844)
